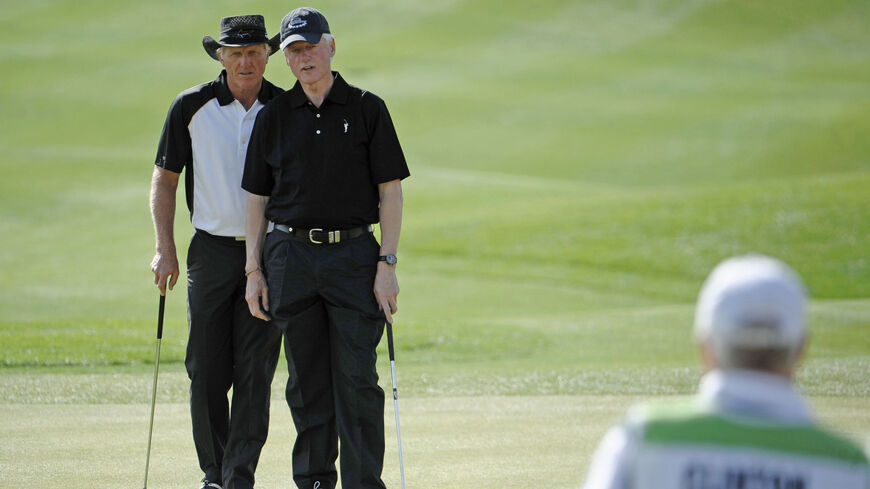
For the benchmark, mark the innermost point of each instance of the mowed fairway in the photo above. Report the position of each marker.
(578, 167)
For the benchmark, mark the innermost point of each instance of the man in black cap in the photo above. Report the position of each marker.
(324, 165)
(207, 132)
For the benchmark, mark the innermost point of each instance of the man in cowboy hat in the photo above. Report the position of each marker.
(324, 165)
(207, 133)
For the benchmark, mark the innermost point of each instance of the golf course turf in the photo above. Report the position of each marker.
(577, 168)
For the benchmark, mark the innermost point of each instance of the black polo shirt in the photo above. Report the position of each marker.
(321, 166)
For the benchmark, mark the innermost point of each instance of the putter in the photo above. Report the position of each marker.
(154, 388)
(395, 399)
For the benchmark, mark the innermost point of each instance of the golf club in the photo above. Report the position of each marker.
(154, 388)
(395, 398)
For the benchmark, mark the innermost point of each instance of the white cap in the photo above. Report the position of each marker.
(754, 302)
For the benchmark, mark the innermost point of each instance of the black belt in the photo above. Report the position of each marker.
(320, 236)
(225, 239)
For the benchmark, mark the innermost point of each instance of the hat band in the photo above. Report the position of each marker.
(246, 36)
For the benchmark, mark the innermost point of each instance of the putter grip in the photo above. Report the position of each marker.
(160, 317)
(390, 341)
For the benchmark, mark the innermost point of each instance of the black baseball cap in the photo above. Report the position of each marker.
(303, 24)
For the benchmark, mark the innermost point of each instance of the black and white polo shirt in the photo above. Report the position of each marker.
(207, 130)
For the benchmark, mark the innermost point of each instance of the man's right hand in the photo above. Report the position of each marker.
(165, 268)
(255, 290)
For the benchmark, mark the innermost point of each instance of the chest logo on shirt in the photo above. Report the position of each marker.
(346, 126)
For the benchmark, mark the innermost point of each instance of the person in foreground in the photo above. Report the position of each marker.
(207, 132)
(749, 426)
(324, 164)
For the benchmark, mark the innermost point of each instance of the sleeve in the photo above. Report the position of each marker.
(258, 177)
(385, 153)
(610, 464)
(174, 149)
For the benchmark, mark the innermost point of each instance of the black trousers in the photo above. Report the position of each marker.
(322, 297)
(227, 347)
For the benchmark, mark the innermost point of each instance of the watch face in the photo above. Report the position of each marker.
(390, 259)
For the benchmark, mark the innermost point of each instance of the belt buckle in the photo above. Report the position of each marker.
(311, 235)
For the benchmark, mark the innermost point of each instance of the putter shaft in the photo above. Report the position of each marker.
(395, 399)
(154, 385)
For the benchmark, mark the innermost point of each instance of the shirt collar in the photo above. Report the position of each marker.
(337, 93)
(266, 92)
(222, 89)
(226, 97)
(756, 394)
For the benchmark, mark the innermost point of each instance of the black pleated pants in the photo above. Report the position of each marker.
(321, 296)
(227, 347)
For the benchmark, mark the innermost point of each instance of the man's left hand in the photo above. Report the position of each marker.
(257, 294)
(386, 290)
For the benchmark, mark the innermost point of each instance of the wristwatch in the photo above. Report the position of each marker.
(389, 258)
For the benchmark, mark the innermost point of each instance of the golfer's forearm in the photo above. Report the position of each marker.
(163, 188)
(390, 215)
(255, 230)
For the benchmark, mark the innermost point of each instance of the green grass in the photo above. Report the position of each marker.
(578, 167)
(464, 442)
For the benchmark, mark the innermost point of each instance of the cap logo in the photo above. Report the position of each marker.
(297, 23)
(244, 34)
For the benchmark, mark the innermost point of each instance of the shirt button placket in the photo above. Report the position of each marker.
(318, 130)
(241, 132)
(243, 138)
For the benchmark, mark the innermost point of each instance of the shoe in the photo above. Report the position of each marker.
(209, 485)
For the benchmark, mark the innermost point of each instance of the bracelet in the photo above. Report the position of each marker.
(252, 271)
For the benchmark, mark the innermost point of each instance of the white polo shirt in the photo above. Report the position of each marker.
(207, 130)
